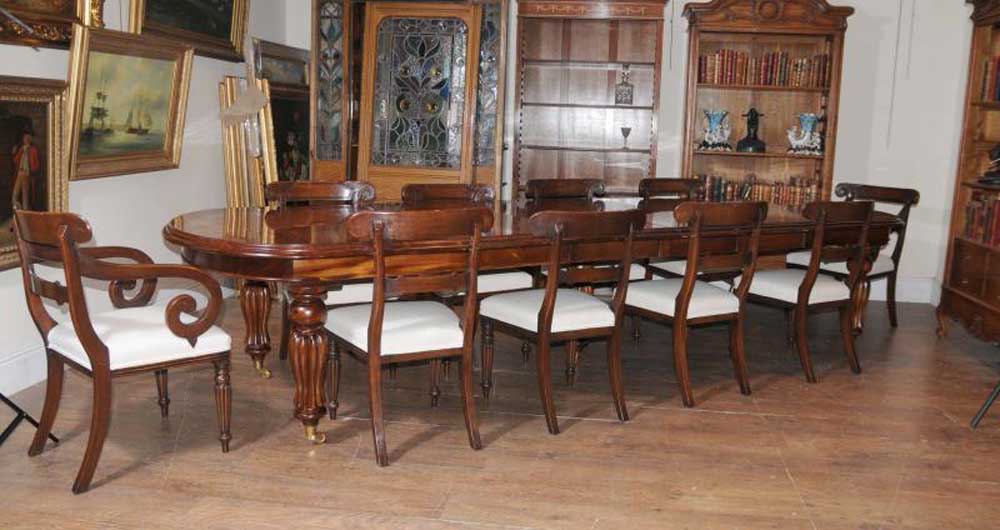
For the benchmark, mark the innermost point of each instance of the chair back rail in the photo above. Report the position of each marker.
(538, 189)
(906, 198)
(479, 194)
(827, 214)
(395, 238)
(348, 192)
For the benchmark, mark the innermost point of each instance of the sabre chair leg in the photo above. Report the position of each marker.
(615, 375)
(738, 355)
(681, 363)
(100, 422)
(847, 334)
(469, 401)
(53, 394)
(545, 385)
(802, 343)
(890, 298)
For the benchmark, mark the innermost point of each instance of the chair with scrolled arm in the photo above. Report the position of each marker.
(134, 337)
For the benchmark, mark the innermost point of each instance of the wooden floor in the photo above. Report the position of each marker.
(889, 449)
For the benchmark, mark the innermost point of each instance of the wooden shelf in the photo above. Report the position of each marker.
(584, 149)
(757, 155)
(585, 106)
(762, 88)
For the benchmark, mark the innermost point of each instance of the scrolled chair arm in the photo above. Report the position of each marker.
(117, 288)
(124, 275)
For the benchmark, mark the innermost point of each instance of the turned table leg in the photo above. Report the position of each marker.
(255, 301)
(308, 349)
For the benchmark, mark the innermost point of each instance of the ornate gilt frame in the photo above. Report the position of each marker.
(51, 92)
(50, 30)
(227, 49)
(86, 40)
(247, 175)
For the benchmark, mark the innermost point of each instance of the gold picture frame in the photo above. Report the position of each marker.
(281, 65)
(172, 21)
(31, 111)
(248, 148)
(51, 24)
(131, 73)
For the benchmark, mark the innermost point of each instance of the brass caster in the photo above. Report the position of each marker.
(262, 372)
(315, 436)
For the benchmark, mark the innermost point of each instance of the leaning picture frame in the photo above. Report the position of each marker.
(126, 103)
(46, 23)
(32, 162)
(281, 65)
(215, 28)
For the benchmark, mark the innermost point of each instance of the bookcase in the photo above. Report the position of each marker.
(782, 58)
(971, 290)
(588, 90)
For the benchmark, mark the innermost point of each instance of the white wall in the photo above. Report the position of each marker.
(129, 209)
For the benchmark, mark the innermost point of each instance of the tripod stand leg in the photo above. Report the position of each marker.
(21, 416)
(986, 406)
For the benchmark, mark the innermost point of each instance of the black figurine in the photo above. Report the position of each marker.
(752, 144)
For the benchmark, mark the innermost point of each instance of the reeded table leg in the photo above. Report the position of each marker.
(308, 348)
(255, 301)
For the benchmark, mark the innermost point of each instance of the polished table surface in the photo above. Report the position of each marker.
(306, 247)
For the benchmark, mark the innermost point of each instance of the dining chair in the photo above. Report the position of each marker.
(663, 195)
(723, 241)
(803, 291)
(555, 314)
(571, 188)
(346, 194)
(387, 333)
(884, 266)
(134, 337)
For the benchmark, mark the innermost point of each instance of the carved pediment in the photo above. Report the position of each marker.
(985, 11)
(777, 14)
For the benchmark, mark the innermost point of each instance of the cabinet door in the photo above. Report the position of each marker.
(418, 95)
(330, 87)
(968, 272)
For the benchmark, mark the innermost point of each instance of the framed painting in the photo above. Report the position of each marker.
(126, 103)
(281, 65)
(32, 172)
(288, 117)
(46, 23)
(215, 28)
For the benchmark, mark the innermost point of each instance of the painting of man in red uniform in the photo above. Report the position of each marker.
(27, 164)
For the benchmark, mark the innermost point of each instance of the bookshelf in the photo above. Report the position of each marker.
(971, 290)
(782, 58)
(571, 60)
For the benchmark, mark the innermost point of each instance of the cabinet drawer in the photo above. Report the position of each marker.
(968, 271)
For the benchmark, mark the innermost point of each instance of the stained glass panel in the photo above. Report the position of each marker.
(489, 76)
(419, 92)
(330, 101)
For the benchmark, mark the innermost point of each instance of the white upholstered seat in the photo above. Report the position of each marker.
(574, 310)
(407, 327)
(660, 295)
(351, 293)
(136, 336)
(678, 267)
(494, 282)
(783, 284)
(882, 264)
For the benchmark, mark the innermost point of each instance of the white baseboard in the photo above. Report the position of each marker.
(22, 369)
(918, 290)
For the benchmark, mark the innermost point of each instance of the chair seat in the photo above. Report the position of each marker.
(678, 267)
(408, 327)
(660, 296)
(494, 282)
(574, 310)
(883, 264)
(351, 293)
(135, 337)
(783, 284)
(635, 272)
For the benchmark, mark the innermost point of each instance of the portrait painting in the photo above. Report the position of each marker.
(128, 95)
(290, 119)
(31, 175)
(47, 23)
(215, 28)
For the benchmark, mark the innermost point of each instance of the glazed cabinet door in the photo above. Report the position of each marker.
(331, 89)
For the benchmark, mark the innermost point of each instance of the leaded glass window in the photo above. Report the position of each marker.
(330, 101)
(419, 92)
(489, 78)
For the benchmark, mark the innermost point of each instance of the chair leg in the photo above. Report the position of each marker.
(636, 327)
(790, 326)
(572, 361)
(223, 402)
(738, 355)
(615, 374)
(375, 404)
(163, 392)
(545, 385)
(986, 406)
(847, 334)
(486, 350)
(333, 381)
(469, 402)
(525, 352)
(890, 298)
(446, 369)
(435, 381)
(53, 394)
(802, 343)
(100, 421)
(681, 363)
(286, 329)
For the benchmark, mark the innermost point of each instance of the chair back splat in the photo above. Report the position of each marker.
(419, 194)
(905, 198)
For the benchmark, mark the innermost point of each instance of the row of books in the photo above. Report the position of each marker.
(991, 80)
(794, 194)
(982, 221)
(731, 67)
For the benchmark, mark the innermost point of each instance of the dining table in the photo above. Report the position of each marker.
(306, 250)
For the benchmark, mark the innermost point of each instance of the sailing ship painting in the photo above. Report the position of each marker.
(128, 105)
